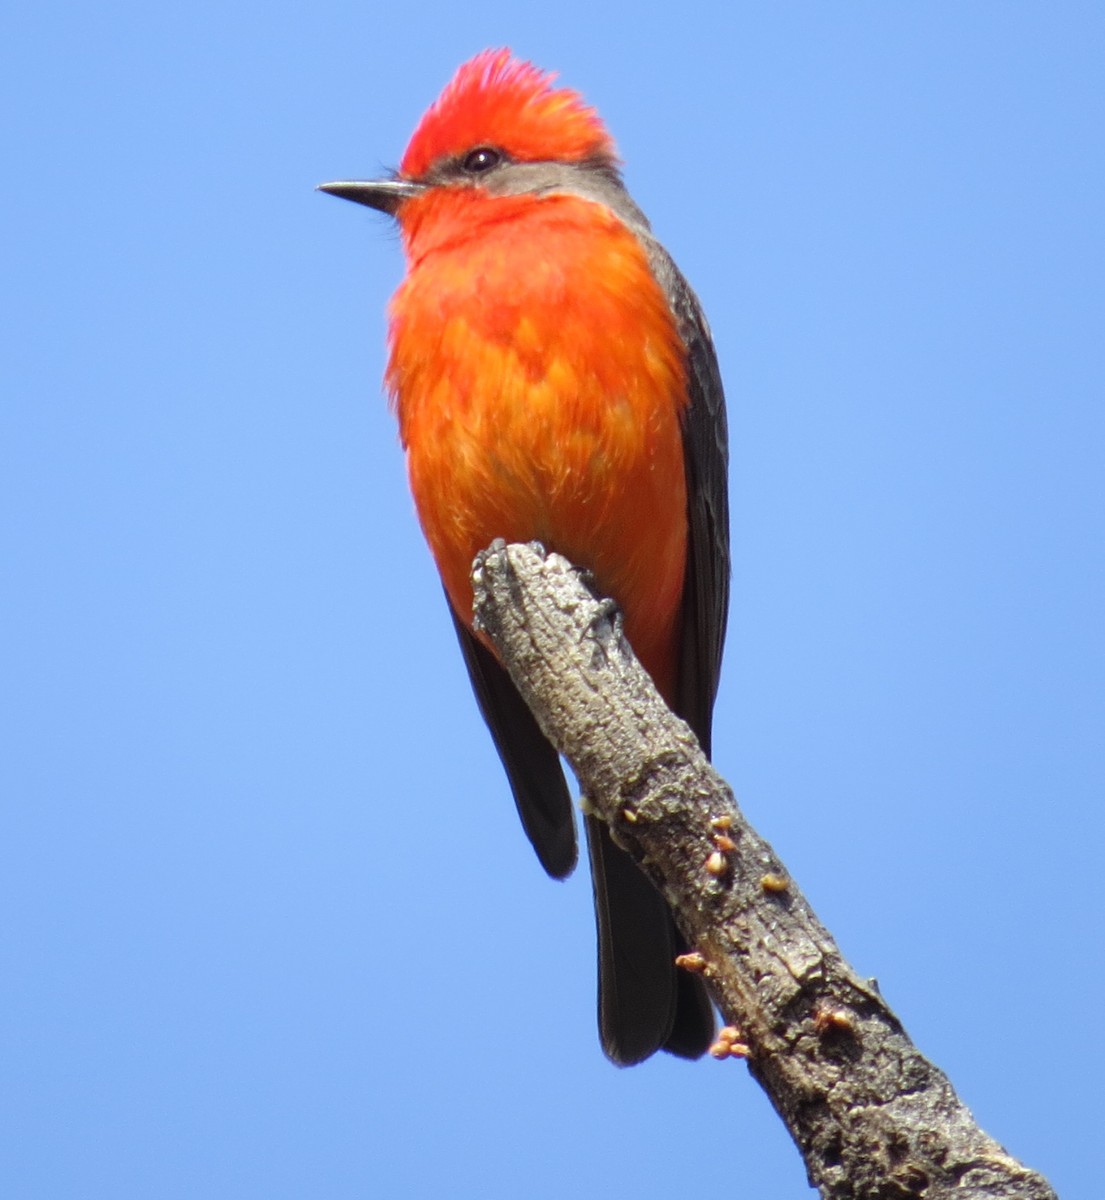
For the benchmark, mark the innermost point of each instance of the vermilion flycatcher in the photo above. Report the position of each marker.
(555, 381)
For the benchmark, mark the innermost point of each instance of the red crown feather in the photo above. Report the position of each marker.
(497, 100)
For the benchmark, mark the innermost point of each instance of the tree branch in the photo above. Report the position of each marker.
(872, 1118)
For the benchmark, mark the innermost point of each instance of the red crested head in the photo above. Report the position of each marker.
(497, 100)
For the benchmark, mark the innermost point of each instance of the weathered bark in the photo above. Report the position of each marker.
(871, 1117)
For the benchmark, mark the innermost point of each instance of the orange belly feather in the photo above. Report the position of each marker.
(539, 396)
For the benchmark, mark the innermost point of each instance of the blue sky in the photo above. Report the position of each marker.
(270, 926)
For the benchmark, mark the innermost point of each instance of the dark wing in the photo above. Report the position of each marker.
(706, 455)
(532, 765)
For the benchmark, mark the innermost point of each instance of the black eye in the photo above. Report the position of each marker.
(483, 158)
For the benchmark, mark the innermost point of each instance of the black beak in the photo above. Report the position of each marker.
(384, 195)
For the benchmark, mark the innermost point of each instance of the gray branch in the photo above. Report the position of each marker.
(871, 1117)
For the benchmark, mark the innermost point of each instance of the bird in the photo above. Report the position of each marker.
(555, 380)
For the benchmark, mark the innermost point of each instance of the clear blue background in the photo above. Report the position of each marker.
(269, 926)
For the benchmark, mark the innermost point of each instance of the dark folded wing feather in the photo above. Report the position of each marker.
(532, 765)
(706, 454)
